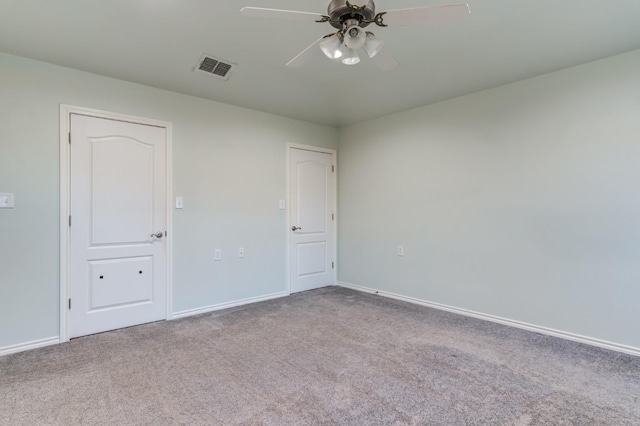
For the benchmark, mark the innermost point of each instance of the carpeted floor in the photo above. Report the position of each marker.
(329, 356)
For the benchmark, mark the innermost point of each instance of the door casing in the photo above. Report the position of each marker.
(65, 179)
(288, 224)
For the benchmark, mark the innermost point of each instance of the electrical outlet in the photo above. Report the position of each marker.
(6, 201)
(241, 252)
(217, 255)
(400, 250)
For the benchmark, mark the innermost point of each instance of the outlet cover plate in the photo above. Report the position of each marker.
(6, 201)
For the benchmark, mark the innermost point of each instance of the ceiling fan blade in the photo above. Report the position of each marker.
(426, 15)
(303, 56)
(384, 60)
(259, 12)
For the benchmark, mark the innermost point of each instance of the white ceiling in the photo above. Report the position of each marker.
(159, 42)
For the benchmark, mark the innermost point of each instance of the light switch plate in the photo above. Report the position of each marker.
(179, 203)
(6, 201)
(282, 205)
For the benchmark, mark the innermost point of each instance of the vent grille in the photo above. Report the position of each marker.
(215, 66)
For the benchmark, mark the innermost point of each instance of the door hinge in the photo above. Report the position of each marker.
(69, 220)
(69, 303)
(333, 216)
(333, 169)
(69, 137)
(332, 265)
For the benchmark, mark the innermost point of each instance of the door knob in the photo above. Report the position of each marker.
(157, 235)
(295, 228)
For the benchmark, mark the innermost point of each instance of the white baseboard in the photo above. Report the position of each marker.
(505, 321)
(182, 314)
(29, 345)
(212, 308)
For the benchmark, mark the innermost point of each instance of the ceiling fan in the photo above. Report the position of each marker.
(351, 20)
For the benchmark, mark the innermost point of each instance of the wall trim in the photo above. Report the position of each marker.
(20, 347)
(220, 306)
(630, 350)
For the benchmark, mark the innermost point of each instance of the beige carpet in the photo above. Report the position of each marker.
(325, 357)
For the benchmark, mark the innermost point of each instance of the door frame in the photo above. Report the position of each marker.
(334, 229)
(65, 208)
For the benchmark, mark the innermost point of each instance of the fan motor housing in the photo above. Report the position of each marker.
(341, 10)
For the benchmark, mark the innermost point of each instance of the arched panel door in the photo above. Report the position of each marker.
(312, 218)
(118, 252)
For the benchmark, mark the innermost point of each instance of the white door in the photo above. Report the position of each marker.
(118, 220)
(312, 219)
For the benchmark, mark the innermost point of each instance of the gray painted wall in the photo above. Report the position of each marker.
(521, 202)
(229, 165)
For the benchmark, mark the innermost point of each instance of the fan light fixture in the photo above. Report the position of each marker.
(372, 45)
(345, 45)
(330, 46)
(350, 56)
(355, 37)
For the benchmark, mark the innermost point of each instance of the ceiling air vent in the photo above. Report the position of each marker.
(214, 66)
